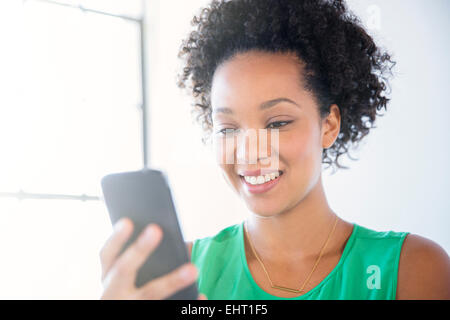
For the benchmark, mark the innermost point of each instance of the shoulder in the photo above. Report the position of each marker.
(424, 270)
(220, 237)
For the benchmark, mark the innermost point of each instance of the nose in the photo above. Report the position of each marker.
(253, 145)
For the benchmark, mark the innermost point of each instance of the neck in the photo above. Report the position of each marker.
(296, 233)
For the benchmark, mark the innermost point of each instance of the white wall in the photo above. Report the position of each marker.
(401, 181)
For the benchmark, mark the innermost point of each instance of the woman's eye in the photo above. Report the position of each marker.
(278, 122)
(224, 131)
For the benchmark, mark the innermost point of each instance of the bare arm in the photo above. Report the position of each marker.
(189, 248)
(424, 270)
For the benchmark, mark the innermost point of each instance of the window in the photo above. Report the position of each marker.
(70, 112)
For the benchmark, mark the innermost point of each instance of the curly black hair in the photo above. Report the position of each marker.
(342, 63)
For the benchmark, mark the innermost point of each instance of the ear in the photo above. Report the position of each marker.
(331, 126)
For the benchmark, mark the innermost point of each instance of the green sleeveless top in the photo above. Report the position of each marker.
(367, 268)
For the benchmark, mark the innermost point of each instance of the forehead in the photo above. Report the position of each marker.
(254, 77)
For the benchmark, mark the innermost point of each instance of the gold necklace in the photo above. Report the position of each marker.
(309, 276)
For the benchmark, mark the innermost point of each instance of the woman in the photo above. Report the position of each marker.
(308, 69)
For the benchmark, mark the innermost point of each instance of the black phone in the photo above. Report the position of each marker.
(145, 197)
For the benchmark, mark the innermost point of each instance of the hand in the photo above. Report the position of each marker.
(119, 271)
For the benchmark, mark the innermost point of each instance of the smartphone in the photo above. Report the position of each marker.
(144, 196)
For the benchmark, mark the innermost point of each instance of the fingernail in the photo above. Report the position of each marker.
(119, 225)
(188, 272)
(147, 234)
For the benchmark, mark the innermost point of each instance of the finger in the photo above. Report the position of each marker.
(112, 247)
(201, 296)
(129, 262)
(165, 286)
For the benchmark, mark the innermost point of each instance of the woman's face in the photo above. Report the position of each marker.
(240, 86)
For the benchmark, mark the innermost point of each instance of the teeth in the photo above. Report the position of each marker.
(261, 179)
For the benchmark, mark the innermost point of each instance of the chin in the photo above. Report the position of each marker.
(262, 208)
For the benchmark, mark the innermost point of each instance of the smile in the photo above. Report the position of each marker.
(261, 184)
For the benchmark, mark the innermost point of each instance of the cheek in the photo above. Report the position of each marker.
(223, 155)
(229, 175)
(299, 147)
(223, 151)
(300, 157)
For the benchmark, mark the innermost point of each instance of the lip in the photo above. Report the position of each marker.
(259, 172)
(260, 188)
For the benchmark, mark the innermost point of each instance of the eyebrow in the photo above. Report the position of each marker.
(265, 105)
